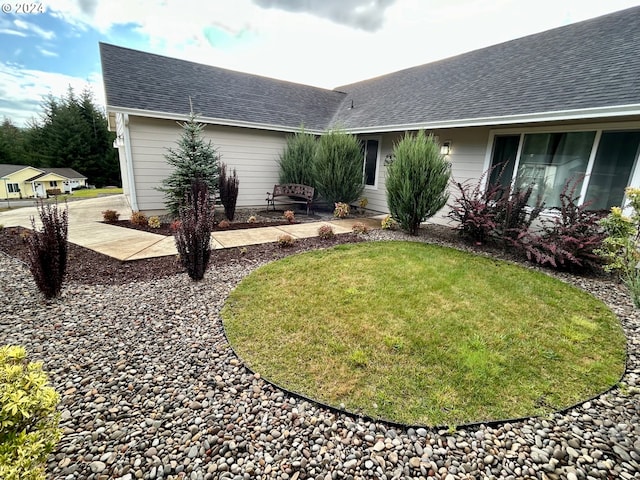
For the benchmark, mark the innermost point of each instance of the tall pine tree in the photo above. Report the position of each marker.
(72, 132)
(193, 160)
(12, 144)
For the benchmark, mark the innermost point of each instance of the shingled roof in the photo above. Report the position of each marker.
(587, 68)
(144, 81)
(586, 65)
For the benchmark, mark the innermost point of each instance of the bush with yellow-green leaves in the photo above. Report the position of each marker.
(28, 419)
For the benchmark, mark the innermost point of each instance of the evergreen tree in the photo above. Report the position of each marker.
(12, 144)
(193, 160)
(73, 132)
(296, 161)
(417, 181)
(337, 167)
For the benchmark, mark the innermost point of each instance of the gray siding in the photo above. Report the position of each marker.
(253, 153)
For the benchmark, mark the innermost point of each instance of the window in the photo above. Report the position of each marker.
(601, 162)
(13, 188)
(370, 148)
(611, 171)
(53, 183)
(548, 160)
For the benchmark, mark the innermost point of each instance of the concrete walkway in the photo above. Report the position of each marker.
(87, 230)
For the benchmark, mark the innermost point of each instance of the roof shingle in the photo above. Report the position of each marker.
(145, 81)
(586, 65)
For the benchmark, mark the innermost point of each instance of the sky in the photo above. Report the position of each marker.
(47, 46)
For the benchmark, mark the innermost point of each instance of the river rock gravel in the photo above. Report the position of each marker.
(151, 390)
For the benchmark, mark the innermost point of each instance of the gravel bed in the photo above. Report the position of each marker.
(150, 389)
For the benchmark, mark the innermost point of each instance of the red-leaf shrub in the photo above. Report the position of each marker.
(47, 255)
(193, 232)
(569, 238)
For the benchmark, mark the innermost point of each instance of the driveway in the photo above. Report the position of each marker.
(80, 211)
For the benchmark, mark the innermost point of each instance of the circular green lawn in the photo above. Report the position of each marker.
(422, 334)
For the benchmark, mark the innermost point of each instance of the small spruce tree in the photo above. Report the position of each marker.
(417, 181)
(193, 159)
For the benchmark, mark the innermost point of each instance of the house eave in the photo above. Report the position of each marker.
(207, 120)
(542, 117)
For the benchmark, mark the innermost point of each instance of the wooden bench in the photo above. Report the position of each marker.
(294, 193)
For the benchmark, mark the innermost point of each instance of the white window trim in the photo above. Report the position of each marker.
(599, 128)
(13, 187)
(376, 176)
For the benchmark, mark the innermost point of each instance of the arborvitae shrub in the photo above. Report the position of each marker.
(417, 181)
(193, 232)
(337, 168)
(47, 252)
(228, 188)
(296, 161)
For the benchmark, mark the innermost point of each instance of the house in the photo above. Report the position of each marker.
(23, 181)
(64, 179)
(558, 105)
(14, 181)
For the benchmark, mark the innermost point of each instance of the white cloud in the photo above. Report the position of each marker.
(34, 29)
(309, 47)
(47, 53)
(312, 48)
(22, 90)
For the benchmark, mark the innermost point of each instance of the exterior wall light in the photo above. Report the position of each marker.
(445, 148)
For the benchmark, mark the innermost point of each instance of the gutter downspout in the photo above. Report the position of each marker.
(129, 161)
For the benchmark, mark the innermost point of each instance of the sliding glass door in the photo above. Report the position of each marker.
(599, 164)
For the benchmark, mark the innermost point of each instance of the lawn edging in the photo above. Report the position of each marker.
(624, 363)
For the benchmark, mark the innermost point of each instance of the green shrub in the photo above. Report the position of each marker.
(47, 249)
(621, 247)
(296, 161)
(110, 216)
(337, 168)
(228, 187)
(193, 232)
(417, 181)
(194, 159)
(139, 218)
(325, 232)
(28, 419)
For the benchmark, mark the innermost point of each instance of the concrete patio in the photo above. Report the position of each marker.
(87, 230)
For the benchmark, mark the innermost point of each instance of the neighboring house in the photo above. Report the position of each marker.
(23, 181)
(14, 181)
(557, 105)
(64, 179)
